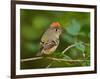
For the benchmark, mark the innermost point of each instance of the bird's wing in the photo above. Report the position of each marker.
(49, 45)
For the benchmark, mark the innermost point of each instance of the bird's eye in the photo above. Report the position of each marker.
(42, 42)
(56, 29)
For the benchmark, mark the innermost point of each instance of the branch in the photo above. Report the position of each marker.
(60, 59)
(49, 64)
(51, 58)
(68, 48)
(36, 58)
(30, 59)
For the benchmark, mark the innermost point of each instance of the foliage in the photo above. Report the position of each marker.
(76, 30)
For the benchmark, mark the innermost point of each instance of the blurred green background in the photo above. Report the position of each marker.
(76, 30)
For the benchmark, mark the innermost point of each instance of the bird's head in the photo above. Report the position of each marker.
(55, 24)
(56, 27)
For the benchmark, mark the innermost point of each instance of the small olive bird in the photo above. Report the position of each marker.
(50, 39)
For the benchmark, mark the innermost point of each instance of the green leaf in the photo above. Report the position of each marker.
(66, 57)
(74, 53)
(60, 55)
(68, 38)
(80, 46)
(57, 54)
(73, 28)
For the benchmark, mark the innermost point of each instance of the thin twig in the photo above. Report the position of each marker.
(36, 58)
(49, 64)
(68, 48)
(51, 58)
(30, 59)
(59, 59)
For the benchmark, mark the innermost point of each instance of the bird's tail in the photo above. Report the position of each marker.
(42, 52)
(39, 54)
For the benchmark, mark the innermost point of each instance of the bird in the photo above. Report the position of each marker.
(50, 39)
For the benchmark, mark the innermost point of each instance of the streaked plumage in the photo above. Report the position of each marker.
(50, 39)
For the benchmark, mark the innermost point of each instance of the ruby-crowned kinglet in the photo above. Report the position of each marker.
(50, 39)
